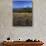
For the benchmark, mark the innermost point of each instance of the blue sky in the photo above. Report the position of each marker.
(22, 4)
(22, 0)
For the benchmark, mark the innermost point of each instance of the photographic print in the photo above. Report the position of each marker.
(22, 13)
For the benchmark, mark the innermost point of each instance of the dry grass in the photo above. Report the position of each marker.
(22, 19)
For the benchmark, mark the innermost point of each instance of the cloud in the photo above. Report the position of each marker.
(28, 5)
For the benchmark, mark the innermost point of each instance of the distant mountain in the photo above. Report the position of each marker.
(22, 9)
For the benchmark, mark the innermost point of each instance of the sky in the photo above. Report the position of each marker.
(22, 4)
(22, 0)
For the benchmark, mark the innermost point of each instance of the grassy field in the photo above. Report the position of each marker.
(22, 19)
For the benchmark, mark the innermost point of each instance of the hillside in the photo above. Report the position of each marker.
(22, 10)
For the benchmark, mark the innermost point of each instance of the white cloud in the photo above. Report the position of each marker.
(26, 6)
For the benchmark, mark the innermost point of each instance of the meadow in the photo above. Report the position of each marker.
(22, 19)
